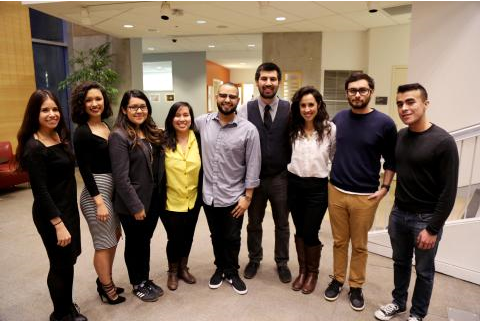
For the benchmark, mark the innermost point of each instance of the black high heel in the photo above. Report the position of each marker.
(119, 290)
(104, 290)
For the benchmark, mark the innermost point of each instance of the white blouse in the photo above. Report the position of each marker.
(310, 157)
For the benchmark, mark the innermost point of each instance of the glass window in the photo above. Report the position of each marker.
(46, 27)
(157, 76)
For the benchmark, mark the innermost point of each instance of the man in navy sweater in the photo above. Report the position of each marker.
(427, 176)
(364, 136)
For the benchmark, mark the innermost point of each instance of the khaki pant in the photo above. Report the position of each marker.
(351, 217)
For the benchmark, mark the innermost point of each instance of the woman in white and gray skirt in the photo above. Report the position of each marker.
(90, 106)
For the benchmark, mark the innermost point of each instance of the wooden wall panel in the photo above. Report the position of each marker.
(17, 74)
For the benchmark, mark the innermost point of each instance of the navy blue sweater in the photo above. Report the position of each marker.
(362, 139)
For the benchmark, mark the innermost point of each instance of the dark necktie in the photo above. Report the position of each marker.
(267, 118)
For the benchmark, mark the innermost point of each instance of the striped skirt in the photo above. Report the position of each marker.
(104, 234)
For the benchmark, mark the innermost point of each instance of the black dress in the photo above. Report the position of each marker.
(52, 177)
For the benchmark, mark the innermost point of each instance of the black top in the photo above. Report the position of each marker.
(92, 156)
(427, 174)
(362, 139)
(274, 141)
(52, 177)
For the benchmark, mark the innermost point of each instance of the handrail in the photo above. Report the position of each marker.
(466, 132)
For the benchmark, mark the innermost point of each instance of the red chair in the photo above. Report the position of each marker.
(8, 176)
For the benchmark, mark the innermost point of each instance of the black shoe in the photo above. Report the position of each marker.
(237, 284)
(154, 287)
(333, 290)
(119, 290)
(284, 273)
(76, 316)
(357, 301)
(216, 280)
(145, 293)
(107, 294)
(251, 270)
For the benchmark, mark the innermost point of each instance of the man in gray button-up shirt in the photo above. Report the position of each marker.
(231, 158)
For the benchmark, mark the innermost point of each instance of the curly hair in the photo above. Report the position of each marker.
(77, 102)
(30, 124)
(170, 134)
(152, 133)
(297, 123)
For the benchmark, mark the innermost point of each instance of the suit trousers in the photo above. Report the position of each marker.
(273, 189)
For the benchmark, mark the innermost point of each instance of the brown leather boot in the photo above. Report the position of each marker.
(297, 284)
(172, 282)
(183, 272)
(312, 255)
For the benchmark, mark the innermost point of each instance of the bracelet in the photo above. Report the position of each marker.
(58, 223)
(387, 187)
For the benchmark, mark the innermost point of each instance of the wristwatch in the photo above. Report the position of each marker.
(387, 187)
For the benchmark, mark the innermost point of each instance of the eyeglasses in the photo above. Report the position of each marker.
(224, 96)
(361, 91)
(135, 108)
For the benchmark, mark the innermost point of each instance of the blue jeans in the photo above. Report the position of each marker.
(403, 229)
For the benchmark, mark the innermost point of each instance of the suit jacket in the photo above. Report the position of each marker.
(135, 176)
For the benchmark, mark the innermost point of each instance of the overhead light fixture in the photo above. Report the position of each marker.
(280, 18)
(211, 46)
(151, 48)
(85, 17)
(128, 26)
(243, 63)
(165, 10)
(201, 22)
(372, 6)
(251, 45)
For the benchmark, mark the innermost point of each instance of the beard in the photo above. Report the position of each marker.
(225, 111)
(359, 104)
(269, 96)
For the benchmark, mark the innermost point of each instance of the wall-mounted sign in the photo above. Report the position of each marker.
(381, 100)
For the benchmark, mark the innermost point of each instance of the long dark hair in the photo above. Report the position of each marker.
(297, 123)
(152, 133)
(30, 124)
(170, 133)
(79, 115)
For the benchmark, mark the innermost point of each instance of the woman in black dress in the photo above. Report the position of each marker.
(90, 106)
(134, 146)
(44, 150)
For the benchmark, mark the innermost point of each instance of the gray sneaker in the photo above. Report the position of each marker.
(145, 293)
(388, 311)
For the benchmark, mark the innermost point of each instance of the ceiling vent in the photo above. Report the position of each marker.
(398, 10)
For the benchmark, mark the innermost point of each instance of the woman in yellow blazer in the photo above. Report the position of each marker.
(183, 190)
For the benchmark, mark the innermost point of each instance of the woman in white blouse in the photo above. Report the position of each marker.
(312, 137)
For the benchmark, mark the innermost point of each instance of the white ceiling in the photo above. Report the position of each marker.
(230, 25)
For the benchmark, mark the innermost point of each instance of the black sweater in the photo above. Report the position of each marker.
(427, 174)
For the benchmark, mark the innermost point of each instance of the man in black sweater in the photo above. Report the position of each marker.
(427, 176)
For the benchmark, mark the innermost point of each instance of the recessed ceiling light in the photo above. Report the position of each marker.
(222, 27)
(251, 45)
(128, 26)
(243, 63)
(151, 48)
(280, 18)
(201, 22)
(211, 46)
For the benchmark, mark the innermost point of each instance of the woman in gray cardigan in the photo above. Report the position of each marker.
(137, 168)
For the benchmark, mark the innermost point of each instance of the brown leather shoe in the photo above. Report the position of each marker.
(183, 272)
(312, 255)
(172, 282)
(297, 284)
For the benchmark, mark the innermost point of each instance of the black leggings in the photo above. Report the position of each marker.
(60, 285)
(308, 202)
(180, 229)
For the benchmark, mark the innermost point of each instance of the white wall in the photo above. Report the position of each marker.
(387, 47)
(344, 50)
(189, 82)
(244, 76)
(444, 57)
